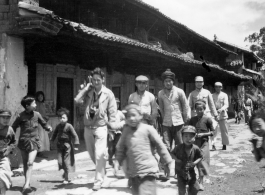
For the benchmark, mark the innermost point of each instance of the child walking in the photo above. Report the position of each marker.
(187, 156)
(7, 141)
(257, 126)
(65, 133)
(113, 138)
(29, 142)
(204, 127)
(137, 143)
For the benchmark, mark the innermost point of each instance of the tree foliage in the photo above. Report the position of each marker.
(258, 42)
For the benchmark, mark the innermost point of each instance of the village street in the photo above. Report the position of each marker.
(232, 172)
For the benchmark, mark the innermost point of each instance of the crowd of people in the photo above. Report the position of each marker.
(145, 137)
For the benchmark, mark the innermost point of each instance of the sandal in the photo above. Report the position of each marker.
(27, 190)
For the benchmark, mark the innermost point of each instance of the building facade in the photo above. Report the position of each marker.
(53, 45)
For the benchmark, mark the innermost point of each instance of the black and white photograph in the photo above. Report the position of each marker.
(132, 97)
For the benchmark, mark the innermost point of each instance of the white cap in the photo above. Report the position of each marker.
(218, 84)
(198, 78)
(141, 78)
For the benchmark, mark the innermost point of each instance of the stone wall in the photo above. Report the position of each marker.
(8, 11)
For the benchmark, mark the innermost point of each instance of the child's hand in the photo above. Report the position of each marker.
(50, 128)
(199, 135)
(190, 164)
(76, 147)
(167, 170)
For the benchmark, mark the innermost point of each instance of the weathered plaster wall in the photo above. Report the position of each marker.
(2, 68)
(16, 74)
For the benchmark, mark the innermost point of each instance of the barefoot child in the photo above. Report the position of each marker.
(204, 127)
(65, 133)
(187, 156)
(7, 141)
(137, 143)
(29, 142)
(257, 126)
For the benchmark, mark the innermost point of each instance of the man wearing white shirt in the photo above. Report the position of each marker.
(221, 103)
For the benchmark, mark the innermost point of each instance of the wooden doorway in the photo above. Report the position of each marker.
(65, 98)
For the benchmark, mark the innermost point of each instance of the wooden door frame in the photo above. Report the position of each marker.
(66, 75)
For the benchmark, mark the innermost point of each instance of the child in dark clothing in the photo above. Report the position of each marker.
(137, 143)
(204, 127)
(7, 144)
(257, 126)
(29, 142)
(65, 133)
(187, 156)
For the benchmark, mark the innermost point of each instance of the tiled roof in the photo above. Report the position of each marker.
(251, 71)
(121, 40)
(241, 48)
(175, 23)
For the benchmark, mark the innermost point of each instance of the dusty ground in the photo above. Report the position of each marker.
(233, 172)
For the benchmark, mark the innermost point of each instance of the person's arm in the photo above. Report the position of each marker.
(196, 162)
(209, 125)
(55, 133)
(74, 134)
(111, 109)
(184, 105)
(154, 112)
(161, 105)
(211, 105)
(160, 146)
(190, 104)
(43, 123)
(175, 157)
(120, 154)
(79, 99)
(226, 104)
(130, 99)
(11, 142)
(16, 123)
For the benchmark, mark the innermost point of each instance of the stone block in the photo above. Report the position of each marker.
(1, 16)
(4, 22)
(3, 2)
(4, 8)
(13, 8)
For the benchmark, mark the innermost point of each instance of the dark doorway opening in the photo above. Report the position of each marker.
(65, 96)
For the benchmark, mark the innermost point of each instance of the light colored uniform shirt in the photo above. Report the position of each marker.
(173, 107)
(202, 94)
(221, 103)
(146, 102)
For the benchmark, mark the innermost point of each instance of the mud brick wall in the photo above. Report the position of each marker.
(8, 12)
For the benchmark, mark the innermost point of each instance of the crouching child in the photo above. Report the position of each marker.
(187, 156)
(7, 144)
(136, 144)
(65, 133)
(257, 126)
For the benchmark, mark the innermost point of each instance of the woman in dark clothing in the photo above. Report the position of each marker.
(204, 127)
